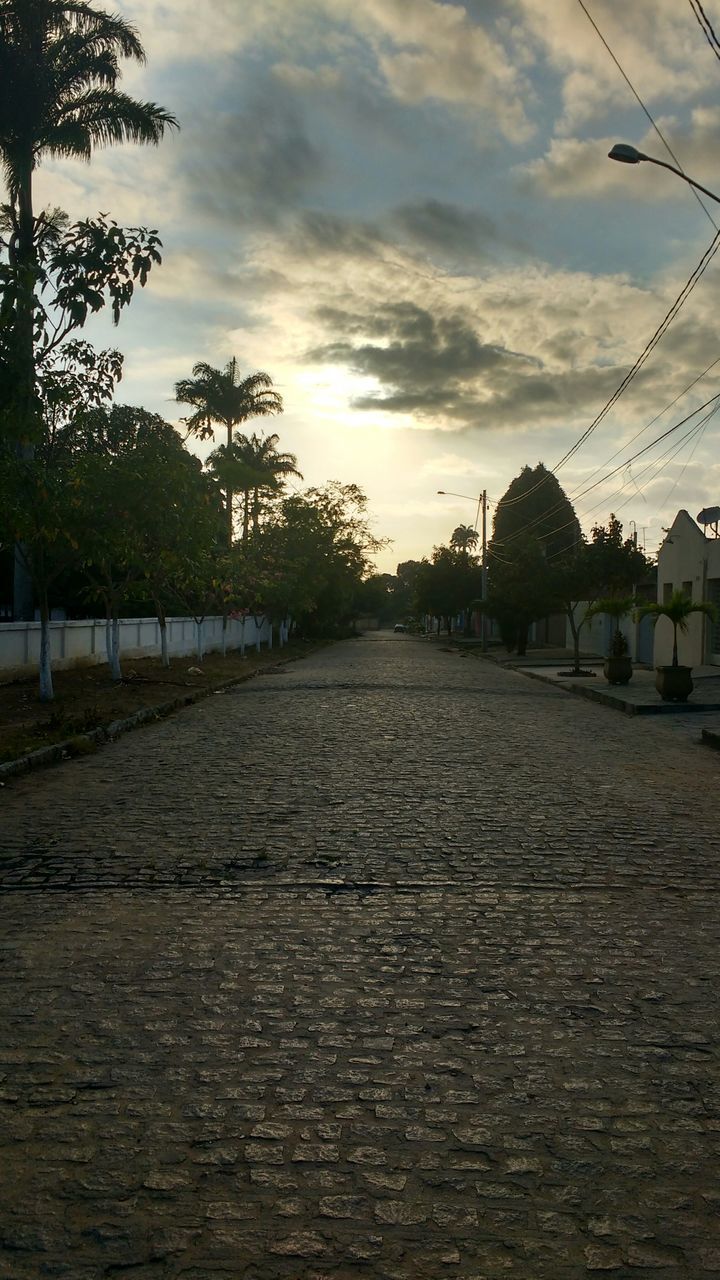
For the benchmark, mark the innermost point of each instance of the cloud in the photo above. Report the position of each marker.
(578, 168)
(660, 49)
(259, 162)
(445, 227)
(423, 363)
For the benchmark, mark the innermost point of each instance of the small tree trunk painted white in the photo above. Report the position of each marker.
(270, 639)
(46, 684)
(199, 638)
(224, 635)
(115, 671)
(164, 644)
(242, 638)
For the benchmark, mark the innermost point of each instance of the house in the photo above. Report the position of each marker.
(689, 561)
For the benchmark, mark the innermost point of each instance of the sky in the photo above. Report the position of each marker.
(403, 211)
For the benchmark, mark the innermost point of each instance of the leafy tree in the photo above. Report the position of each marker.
(221, 398)
(404, 595)
(35, 496)
(59, 69)
(607, 565)
(534, 522)
(157, 510)
(320, 548)
(520, 591)
(448, 584)
(374, 595)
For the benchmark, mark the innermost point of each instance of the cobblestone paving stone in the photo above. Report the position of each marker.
(395, 965)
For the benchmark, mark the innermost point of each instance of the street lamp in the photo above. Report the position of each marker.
(481, 507)
(626, 154)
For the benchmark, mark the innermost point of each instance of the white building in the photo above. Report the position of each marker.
(689, 561)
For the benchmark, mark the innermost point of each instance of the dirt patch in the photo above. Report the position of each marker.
(86, 698)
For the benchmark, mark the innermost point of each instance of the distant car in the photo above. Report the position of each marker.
(399, 626)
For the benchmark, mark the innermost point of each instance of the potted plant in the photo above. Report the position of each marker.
(674, 683)
(618, 667)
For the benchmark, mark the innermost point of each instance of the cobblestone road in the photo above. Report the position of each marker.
(391, 965)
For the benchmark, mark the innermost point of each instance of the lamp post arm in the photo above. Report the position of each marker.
(662, 164)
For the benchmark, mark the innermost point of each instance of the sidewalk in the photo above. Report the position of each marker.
(701, 712)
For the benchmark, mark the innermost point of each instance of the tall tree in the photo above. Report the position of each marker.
(534, 523)
(448, 584)
(59, 68)
(465, 538)
(221, 398)
(261, 454)
(535, 505)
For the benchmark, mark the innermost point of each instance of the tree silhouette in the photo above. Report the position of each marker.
(465, 538)
(221, 398)
(59, 68)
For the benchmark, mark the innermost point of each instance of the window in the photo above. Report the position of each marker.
(687, 589)
(667, 592)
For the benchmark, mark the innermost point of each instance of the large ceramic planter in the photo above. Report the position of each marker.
(618, 669)
(674, 684)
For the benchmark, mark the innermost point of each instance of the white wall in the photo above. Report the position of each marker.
(686, 557)
(597, 632)
(83, 643)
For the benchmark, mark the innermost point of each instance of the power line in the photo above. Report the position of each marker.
(684, 294)
(706, 27)
(649, 348)
(640, 102)
(511, 502)
(622, 466)
(659, 333)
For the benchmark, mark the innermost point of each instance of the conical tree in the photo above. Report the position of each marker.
(221, 398)
(536, 505)
(534, 524)
(59, 68)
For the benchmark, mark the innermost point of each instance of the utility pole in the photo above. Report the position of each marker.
(483, 499)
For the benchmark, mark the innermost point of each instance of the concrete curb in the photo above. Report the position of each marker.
(66, 750)
(617, 702)
(711, 738)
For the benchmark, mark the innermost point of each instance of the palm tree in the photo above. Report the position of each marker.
(221, 398)
(678, 609)
(235, 472)
(261, 455)
(59, 68)
(464, 538)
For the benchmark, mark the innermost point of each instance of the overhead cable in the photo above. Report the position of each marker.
(640, 102)
(621, 467)
(706, 27)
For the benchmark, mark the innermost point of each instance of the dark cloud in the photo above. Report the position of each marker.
(447, 227)
(437, 367)
(316, 234)
(257, 162)
(425, 363)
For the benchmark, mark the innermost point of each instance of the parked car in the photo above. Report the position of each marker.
(399, 626)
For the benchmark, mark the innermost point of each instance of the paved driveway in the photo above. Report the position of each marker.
(393, 964)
